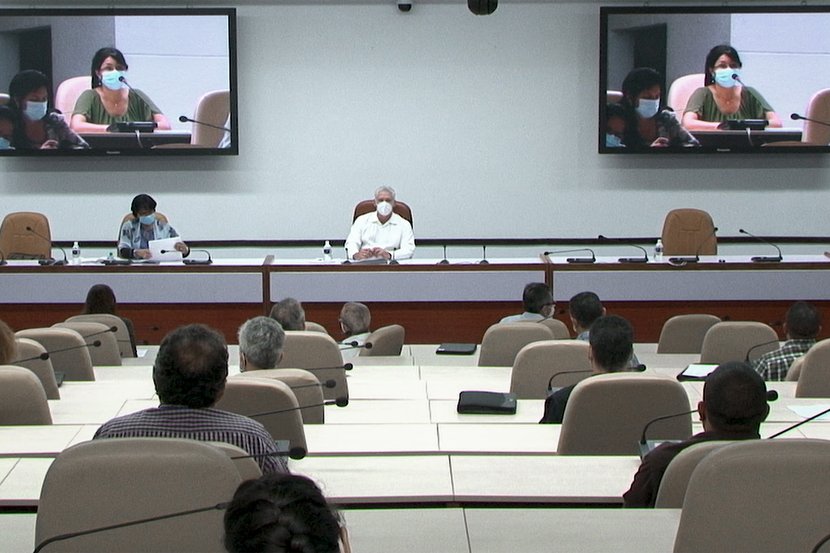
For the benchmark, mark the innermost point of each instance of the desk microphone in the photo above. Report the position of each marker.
(796, 425)
(340, 402)
(347, 260)
(444, 261)
(325, 384)
(760, 258)
(392, 260)
(207, 261)
(354, 344)
(184, 119)
(796, 117)
(591, 259)
(696, 258)
(737, 78)
(643, 259)
(112, 329)
(95, 344)
(123, 79)
(550, 380)
(51, 260)
(345, 367)
(756, 346)
(43, 357)
(483, 255)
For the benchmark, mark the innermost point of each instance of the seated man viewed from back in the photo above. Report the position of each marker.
(355, 319)
(611, 343)
(289, 313)
(382, 233)
(585, 308)
(261, 342)
(734, 406)
(802, 326)
(537, 300)
(189, 375)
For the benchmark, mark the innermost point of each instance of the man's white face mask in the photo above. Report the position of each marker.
(384, 209)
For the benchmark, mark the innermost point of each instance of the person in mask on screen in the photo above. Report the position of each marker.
(646, 125)
(142, 226)
(111, 99)
(37, 128)
(723, 96)
(380, 233)
(7, 123)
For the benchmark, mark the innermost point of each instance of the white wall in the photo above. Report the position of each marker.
(485, 125)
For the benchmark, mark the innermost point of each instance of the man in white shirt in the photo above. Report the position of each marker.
(382, 233)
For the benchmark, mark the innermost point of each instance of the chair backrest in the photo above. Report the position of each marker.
(814, 377)
(130, 217)
(387, 340)
(75, 363)
(27, 349)
(315, 327)
(67, 94)
(818, 109)
(684, 333)
(368, 206)
(214, 108)
(732, 341)
(558, 328)
(675, 480)
(105, 482)
(18, 243)
(122, 335)
(22, 398)
(248, 396)
(689, 231)
(503, 341)
(107, 354)
(605, 414)
(246, 465)
(305, 349)
(681, 89)
(794, 373)
(738, 493)
(305, 386)
(538, 362)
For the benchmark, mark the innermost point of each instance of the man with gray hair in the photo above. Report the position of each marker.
(261, 340)
(355, 319)
(381, 233)
(289, 313)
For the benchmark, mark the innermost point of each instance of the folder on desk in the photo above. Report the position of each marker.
(486, 403)
(697, 371)
(456, 349)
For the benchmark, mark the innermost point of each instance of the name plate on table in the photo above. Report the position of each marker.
(486, 403)
(697, 371)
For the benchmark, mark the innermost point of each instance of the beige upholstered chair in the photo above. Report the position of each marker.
(367, 206)
(559, 329)
(503, 341)
(27, 349)
(22, 399)
(66, 95)
(305, 386)
(689, 232)
(735, 340)
(105, 482)
(606, 414)
(314, 350)
(18, 243)
(315, 327)
(684, 333)
(681, 90)
(250, 396)
(538, 362)
(213, 107)
(122, 334)
(387, 340)
(814, 377)
(75, 364)
(107, 354)
(738, 493)
(676, 478)
(795, 370)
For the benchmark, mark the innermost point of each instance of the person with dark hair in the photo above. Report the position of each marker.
(537, 300)
(8, 345)
(611, 347)
(145, 225)
(614, 125)
(646, 124)
(111, 99)
(734, 406)
(189, 375)
(101, 299)
(8, 122)
(584, 309)
(723, 96)
(802, 326)
(261, 340)
(289, 313)
(37, 128)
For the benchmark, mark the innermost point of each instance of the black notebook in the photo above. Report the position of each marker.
(456, 349)
(487, 403)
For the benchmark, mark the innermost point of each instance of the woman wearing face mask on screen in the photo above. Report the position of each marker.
(646, 125)
(36, 128)
(111, 100)
(723, 97)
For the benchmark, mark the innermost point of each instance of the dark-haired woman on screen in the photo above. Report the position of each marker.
(111, 100)
(646, 125)
(723, 97)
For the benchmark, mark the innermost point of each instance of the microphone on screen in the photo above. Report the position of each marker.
(696, 258)
(185, 119)
(796, 117)
(643, 259)
(591, 259)
(761, 258)
(51, 260)
(737, 78)
(124, 80)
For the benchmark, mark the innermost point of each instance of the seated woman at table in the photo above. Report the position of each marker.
(723, 96)
(646, 125)
(111, 99)
(8, 347)
(145, 225)
(37, 128)
(101, 299)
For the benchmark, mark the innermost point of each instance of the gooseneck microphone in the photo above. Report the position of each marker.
(484, 255)
(761, 258)
(345, 367)
(643, 259)
(124, 80)
(112, 329)
(354, 344)
(696, 258)
(50, 261)
(756, 346)
(591, 259)
(340, 402)
(444, 261)
(185, 119)
(638, 369)
(43, 357)
(95, 344)
(207, 261)
(796, 425)
(796, 117)
(325, 384)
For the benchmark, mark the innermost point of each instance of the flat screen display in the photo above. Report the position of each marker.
(669, 80)
(118, 82)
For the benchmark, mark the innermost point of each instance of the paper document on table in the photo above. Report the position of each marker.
(807, 411)
(696, 371)
(141, 352)
(165, 249)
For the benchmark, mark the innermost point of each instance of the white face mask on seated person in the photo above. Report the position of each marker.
(384, 209)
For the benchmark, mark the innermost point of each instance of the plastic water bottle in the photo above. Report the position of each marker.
(76, 253)
(658, 250)
(327, 251)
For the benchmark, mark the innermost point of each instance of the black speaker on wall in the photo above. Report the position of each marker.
(482, 7)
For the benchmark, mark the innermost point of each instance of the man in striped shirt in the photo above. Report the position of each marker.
(189, 375)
